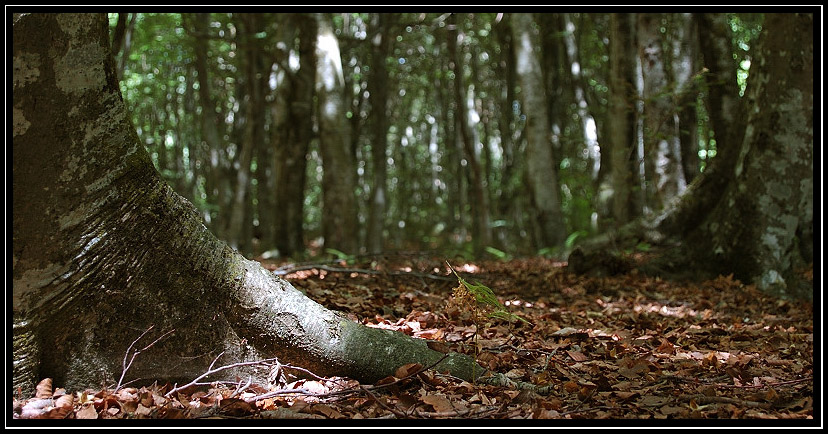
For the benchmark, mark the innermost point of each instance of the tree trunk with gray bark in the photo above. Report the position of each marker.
(104, 251)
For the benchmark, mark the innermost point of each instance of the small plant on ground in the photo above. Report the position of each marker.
(482, 304)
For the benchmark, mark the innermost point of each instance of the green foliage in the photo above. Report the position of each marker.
(570, 240)
(497, 253)
(746, 29)
(340, 255)
(485, 297)
(548, 252)
(428, 192)
(643, 246)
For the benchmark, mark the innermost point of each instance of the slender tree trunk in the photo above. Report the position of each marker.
(622, 97)
(105, 254)
(378, 89)
(662, 150)
(293, 145)
(211, 118)
(590, 139)
(119, 33)
(684, 66)
(506, 68)
(122, 40)
(339, 210)
(479, 201)
(727, 115)
(542, 176)
(239, 223)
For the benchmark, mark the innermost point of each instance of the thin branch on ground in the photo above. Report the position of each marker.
(211, 371)
(281, 272)
(126, 365)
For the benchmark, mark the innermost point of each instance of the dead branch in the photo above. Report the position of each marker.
(281, 272)
(211, 371)
(126, 365)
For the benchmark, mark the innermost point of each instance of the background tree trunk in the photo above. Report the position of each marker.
(378, 89)
(211, 119)
(295, 134)
(339, 209)
(622, 140)
(252, 132)
(683, 67)
(104, 252)
(541, 172)
(726, 111)
(662, 151)
(481, 232)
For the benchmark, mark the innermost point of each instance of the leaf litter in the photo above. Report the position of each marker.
(620, 347)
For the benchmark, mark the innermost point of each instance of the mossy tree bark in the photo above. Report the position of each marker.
(104, 250)
(762, 227)
(750, 213)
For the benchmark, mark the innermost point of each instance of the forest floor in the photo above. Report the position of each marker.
(621, 347)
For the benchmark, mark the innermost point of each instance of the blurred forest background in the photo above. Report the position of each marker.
(473, 134)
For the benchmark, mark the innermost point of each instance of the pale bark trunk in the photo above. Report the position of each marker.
(542, 176)
(339, 209)
(662, 150)
(103, 249)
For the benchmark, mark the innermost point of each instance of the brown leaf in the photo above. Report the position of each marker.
(142, 411)
(63, 406)
(440, 403)
(327, 411)
(387, 380)
(577, 356)
(235, 407)
(624, 396)
(407, 369)
(438, 346)
(44, 389)
(524, 397)
(87, 412)
(666, 347)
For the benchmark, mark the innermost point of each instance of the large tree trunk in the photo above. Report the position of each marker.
(339, 207)
(750, 213)
(762, 227)
(542, 176)
(103, 249)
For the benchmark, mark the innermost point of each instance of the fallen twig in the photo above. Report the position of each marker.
(211, 371)
(281, 272)
(704, 399)
(126, 365)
